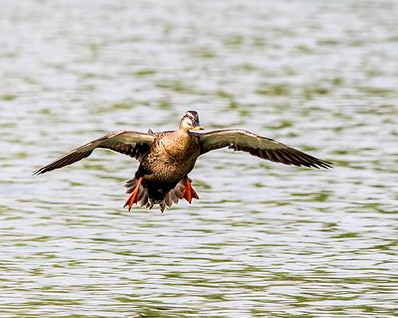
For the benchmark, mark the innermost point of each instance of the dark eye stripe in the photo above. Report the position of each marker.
(192, 115)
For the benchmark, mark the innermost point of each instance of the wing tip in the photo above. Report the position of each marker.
(322, 164)
(39, 171)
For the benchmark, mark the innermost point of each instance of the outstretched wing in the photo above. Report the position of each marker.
(259, 146)
(132, 143)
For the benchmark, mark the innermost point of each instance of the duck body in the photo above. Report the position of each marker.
(172, 156)
(166, 158)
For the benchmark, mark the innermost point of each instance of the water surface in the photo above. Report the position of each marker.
(264, 240)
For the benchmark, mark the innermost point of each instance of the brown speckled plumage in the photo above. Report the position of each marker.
(166, 158)
(171, 157)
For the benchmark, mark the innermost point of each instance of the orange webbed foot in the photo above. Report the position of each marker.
(189, 192)
(133, 198)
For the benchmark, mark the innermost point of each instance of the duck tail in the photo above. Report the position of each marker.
(182, 190)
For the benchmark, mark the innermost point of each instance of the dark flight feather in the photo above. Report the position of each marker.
(131, 143)
(262, 147)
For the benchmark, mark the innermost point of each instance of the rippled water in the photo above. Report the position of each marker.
(264, 240)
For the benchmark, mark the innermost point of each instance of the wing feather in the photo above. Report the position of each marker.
(262, 147)
(132, 143)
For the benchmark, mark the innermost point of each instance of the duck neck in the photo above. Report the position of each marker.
(183, 130)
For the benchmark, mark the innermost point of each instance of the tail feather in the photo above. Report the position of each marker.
(144, 199)
(171, 197)
(131, 184)
(162, 206)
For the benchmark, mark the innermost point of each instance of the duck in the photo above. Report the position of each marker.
(166, 158)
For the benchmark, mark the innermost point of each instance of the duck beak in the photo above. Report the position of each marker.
(197, 126)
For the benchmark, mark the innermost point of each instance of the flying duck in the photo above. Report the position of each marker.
(166, 158)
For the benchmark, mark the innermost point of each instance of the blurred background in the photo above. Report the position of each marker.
(264, 240)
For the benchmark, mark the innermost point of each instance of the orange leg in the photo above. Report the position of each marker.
(133, 198)
(189, 192)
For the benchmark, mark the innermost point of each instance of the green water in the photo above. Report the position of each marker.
(264, 240)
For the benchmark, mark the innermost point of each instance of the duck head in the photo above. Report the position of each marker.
(190, 121)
